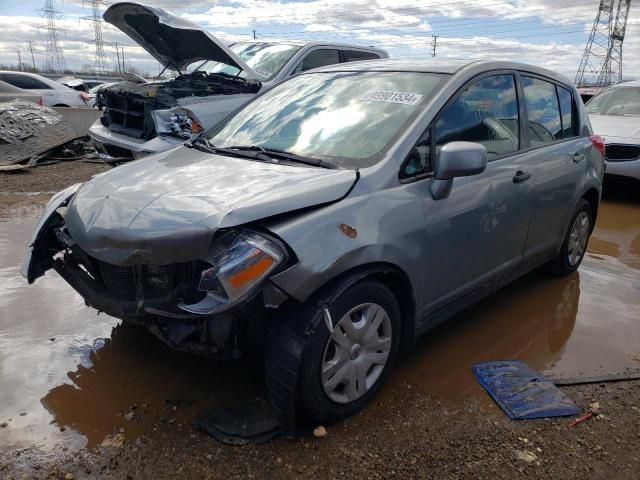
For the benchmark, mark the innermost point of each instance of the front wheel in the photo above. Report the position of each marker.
(575, 242)
(342, 369)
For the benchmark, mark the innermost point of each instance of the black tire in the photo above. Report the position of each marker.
(60, 105)
(313, 399)
(560, 266)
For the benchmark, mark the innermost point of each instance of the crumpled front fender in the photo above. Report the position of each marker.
(37, 259)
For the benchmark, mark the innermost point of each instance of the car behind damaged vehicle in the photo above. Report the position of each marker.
(615, 114)
(212, 81)
(335, 218)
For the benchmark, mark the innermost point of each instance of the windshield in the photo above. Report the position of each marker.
(620, 101)
(267, 59)
(348, 119)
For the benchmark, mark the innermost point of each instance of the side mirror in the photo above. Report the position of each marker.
(456, 159)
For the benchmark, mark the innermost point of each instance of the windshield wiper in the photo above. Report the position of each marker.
(283, 155)
(205, 145)
(256, 152)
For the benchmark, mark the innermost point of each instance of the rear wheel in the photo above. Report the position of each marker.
(575, 242)
(342, 369)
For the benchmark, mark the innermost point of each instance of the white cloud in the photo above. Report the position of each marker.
(400, 26)
(317, 27)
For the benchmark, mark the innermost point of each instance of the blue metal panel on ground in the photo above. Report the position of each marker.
(521, 392)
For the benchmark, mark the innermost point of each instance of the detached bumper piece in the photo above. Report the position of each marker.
(522, 393)
(253, 422)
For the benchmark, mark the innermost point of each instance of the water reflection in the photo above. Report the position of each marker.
(617, 232)
(531, 320)
(135, 374)
(88, 377)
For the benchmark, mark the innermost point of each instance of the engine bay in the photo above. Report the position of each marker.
(128, 106)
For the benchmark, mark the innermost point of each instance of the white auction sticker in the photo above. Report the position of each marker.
(388, 96)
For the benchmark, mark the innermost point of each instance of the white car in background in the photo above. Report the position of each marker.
(9, 92)
(615, 115)
(53, 94)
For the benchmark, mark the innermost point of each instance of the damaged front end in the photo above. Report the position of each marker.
(216, 304)
(129, 108)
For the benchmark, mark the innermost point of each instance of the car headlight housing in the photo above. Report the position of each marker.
(183, 126)
(240, 263)
(176, 122)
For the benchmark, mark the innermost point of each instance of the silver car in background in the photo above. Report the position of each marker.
(212, 80)
(615, 114)
(335, 218)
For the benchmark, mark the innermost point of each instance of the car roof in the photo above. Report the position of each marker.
(48, 81)
(449, 66)
(16, 71)
(627, 83)
(314, 43)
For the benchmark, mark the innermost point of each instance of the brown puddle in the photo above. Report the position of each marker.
(97, 376)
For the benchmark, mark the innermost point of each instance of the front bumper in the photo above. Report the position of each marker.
(116, 147)
(628, 168)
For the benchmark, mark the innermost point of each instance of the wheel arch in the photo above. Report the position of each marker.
(592, 195)
(388, 274)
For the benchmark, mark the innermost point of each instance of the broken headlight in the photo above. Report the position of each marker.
(183, 126)
(240, 262)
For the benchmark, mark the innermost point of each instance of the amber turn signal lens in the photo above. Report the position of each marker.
(253, 271)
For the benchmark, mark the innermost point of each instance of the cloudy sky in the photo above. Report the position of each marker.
(552, 33)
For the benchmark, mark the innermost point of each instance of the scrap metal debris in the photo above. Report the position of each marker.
(77, 149)
(28, 130)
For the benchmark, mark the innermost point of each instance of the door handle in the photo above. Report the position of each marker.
(521, 176)
(578, 157)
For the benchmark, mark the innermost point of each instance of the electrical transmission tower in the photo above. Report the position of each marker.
(100, 64)
(601, 63)
(55, 58)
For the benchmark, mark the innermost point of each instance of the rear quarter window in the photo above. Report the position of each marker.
(355, 56)
(319, 58)
(568, 111)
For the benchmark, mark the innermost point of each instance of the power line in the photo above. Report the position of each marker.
(33, 60)
(55, 57)
(601, 63)
(100, 62)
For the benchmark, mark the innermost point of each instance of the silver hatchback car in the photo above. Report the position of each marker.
(335, 218)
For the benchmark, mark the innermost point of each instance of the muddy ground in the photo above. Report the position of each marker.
(49, 178)
(82, 396)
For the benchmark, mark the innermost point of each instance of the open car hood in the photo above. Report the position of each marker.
(166, 208)
(172, 40)
(133, 78)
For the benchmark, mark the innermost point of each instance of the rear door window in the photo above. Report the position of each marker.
(23, 81)
(543, 111)
(487, 113)
(567, 109)
(355, 56)
(318, 58)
